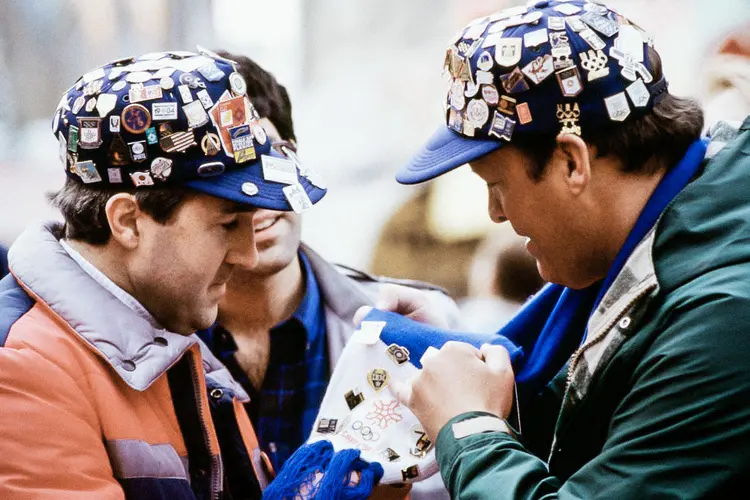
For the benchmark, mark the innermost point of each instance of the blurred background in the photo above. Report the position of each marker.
(365, 82)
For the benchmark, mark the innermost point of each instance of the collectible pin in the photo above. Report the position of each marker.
(595, 62)
(211, 72)
(630, 68)
(144, 93)
(567, 9)
(178, 141)
(165, 73)
(391, 455)
(502, 126)
(473, 48)
(92, 88)
(118, 86)
(617, 107)
(477, 112)
(237, 83)
(524, 113)
(73, 139)
(96, 74)
(185, 94)
(591, 38)
(490, 95)
(409, 473)
(638, 93)
(603, 25)
(191, 81)
(378, 378)
(508, 51)
(327, 425)
(151, 136)
(576, 24)
(297, 197)
(471, 89)
(161, 168)
(423, 443)
(514, 82)
(630, 41)
(118, 150)
(556, 23)
(142, 179)
(277, 169)
(354, 398)
(138, 151)
(536, 37)
(136, 118)
(567, 115)
(86, 170)
(242, 144)
(468, 129)
(114, 123)
(164, 111)
(78, 104)
(217, 168)
(90, 132)
(210, 144)
(457, 100)
(62, 149)
(484, 78)
(492, 40)
(249, 188)
(562, 61)
(138, 77)
(570, 81)
(507, 105)
(196, 114)
(204, 98)
(166, 83)
(456, 120)
(90, 105)
(539, 69)
(115, 175)
(597, 9)
(259, 133)
(398, 354)
(485, 61)
(475, 31)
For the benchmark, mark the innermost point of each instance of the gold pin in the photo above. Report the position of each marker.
(378, 378)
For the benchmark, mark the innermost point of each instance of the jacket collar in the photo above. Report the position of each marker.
(137, 351)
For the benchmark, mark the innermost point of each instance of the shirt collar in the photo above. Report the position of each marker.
(308, 312)
(110, 285)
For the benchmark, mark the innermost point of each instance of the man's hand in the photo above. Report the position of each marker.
(410, 302)
(458, 379)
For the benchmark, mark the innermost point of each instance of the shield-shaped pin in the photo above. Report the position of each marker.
(378, 378)
(508, 51)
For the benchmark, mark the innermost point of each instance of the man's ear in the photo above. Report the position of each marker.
(122, 214)
(576, 154)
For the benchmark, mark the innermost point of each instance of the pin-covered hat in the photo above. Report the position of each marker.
(178, 118)
(548, 67)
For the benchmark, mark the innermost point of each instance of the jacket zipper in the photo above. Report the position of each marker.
(217, 472)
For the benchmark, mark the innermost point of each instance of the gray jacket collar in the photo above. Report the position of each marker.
(127, 341)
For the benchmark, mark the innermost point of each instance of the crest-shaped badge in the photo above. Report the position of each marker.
(398, 354)
(508, 51)
(378, 379)
(90, 132)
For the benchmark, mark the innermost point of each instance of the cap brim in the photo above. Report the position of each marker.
(443, 152)
(270, 195)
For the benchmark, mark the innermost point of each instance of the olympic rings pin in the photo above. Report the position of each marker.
(365, 431)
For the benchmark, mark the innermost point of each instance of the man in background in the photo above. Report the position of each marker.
(283, 324)
(3, 261)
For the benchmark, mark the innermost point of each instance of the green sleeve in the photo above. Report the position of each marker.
(682, 430)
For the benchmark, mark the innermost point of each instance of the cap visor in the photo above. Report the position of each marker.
(444, 151)
(270, 195)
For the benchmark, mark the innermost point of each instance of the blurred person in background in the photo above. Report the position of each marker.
(104, 388)
(283, 323)
(502, 277)
(726, 78)
(3, 261)
(636, 383)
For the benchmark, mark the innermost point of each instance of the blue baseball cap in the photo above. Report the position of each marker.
(178, 119)
(548, 67)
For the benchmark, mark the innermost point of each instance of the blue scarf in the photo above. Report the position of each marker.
(540, 339)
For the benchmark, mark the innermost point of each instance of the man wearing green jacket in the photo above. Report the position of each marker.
(634, 380)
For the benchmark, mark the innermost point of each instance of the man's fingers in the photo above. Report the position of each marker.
(402, 391)
(360, 314)
(496, 357)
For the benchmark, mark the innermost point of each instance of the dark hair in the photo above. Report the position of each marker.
(268, 96)
(83, 207)
(652, 142)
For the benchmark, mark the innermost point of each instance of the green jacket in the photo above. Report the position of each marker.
(656, 403)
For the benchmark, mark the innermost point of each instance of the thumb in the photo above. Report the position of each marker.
(496, 358)
(360, 314)
(402, 391)
(387, 299)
